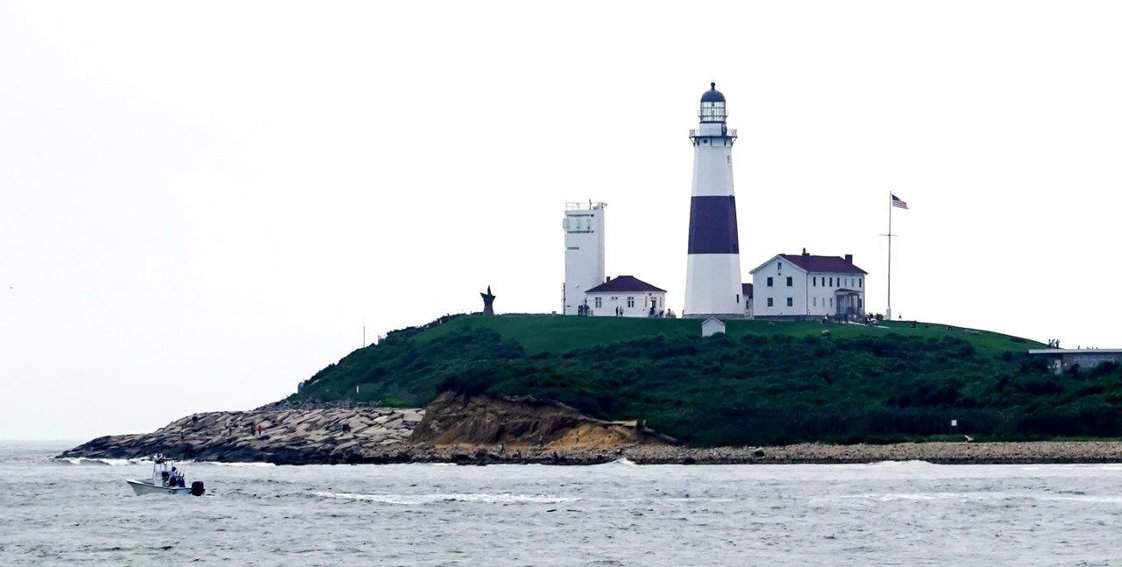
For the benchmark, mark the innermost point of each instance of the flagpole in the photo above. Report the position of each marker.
(888, 310)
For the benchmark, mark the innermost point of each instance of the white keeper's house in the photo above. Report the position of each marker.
(805, 286)
(626, 296)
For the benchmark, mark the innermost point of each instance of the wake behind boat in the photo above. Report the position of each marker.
(166, 479)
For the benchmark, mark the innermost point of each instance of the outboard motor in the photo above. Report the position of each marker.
(197, 488)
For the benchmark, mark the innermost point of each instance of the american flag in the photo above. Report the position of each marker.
(898, 202)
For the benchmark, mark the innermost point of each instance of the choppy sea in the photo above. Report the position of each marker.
(895, 513)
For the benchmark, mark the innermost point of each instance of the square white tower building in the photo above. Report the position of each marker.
(584, 253)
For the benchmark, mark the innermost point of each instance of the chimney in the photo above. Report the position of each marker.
(607, 279)
(849, 258)
(804, 251)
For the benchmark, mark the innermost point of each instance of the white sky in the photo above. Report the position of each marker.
(201, 203)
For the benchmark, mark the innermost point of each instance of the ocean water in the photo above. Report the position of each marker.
(910, 513)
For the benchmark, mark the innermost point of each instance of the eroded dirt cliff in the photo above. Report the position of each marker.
(457, 420)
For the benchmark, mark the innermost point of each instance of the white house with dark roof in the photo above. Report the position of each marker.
(626, 296)
(801, 286)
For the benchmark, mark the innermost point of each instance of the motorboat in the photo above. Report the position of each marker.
(163, 482)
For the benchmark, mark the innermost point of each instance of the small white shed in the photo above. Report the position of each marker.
(712, 326)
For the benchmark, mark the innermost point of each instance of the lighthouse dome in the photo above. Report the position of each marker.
(712, 95)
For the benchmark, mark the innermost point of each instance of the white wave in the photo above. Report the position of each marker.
(911, 463)
(419, 499)
(220, 464)
(623, 461)
(110, 462)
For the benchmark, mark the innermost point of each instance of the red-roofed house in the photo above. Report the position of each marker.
(626, 296)
(801, 286)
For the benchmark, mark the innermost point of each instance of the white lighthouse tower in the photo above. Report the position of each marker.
(713, 264)
(584, 253)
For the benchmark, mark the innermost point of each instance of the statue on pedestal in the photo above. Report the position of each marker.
(488, 302)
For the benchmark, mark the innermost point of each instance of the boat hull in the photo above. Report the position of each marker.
(141, 488)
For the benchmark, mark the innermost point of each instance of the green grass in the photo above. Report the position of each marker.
(558, 333)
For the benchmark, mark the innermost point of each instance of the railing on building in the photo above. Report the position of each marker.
(730, 133)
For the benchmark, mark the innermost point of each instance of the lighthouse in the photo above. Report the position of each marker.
(713, 264)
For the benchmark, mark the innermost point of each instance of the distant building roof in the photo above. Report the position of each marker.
(746, 290)
(833, 264)
(625, 284)
(1061, 351)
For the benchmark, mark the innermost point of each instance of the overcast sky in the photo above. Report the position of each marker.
(202, 203)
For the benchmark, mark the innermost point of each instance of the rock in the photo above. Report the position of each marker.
(294, 436)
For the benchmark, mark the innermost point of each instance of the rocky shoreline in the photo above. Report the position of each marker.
(282, 436)
(997, 453)
(481, 430)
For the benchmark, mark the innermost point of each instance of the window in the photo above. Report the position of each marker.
(712, 111)
(831, 282)
(790, 302)
(860, 282)
(780, 266)
(831, 302)
(630, 301)
(738, 298)
(814, 301)
(770, 303)
(790, 281)
(598, 303)
(769, 282)
(814, 282)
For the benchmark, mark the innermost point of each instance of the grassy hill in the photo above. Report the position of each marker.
(556, 333)
(761, 383)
